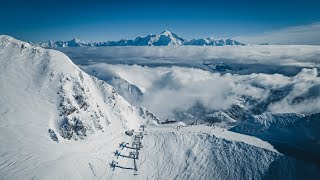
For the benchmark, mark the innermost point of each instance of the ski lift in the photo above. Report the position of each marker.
(136, 143)
(135, 167)
(140, 135)
(137, 139)
(134, 155)
(142, 127)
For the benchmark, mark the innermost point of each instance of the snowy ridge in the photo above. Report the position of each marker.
(165, 38)
(129, 91)
(72, 43)
(213, 42)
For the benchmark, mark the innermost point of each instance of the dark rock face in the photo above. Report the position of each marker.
(73, 128)
(53, 135)
(79, 116)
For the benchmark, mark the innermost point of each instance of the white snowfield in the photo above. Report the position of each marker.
(57, 122)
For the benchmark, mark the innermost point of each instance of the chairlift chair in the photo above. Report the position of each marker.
(117, 154)
(123, 145)
(113, 165)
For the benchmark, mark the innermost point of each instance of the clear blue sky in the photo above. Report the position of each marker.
(39, 20)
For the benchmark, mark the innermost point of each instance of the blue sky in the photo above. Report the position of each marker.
(36, 20)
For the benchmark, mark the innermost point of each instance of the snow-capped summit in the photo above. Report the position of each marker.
(165, 38)
(166, 32)
(75, 42)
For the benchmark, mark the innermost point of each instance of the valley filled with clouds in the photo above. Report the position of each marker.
(175, 80)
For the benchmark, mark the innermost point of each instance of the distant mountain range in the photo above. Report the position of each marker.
(166, 38)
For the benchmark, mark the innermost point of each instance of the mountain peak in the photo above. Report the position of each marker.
(166, 32)
(75, 39)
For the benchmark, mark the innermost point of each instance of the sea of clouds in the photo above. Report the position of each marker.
(174, 78)
(285, 55)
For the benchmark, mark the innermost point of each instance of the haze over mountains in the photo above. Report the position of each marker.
(165, 38)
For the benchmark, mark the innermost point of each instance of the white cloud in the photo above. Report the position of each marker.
(176, 78)
(168, 89)
(298, 35)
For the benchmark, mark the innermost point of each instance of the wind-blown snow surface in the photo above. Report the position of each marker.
(193, 155)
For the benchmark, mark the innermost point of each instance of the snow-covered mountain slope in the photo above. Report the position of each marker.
(293, 134)
(200, 152)
(165, 38)
(199, 114)
(80, 99)
(47, 102)
(129, 91)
